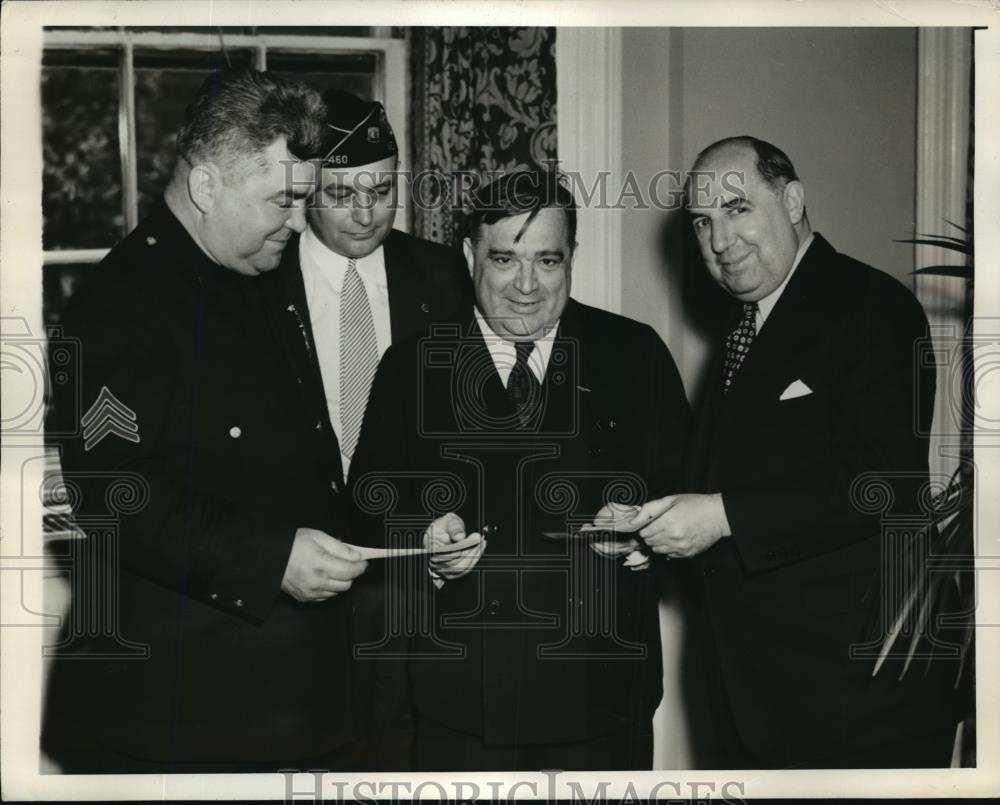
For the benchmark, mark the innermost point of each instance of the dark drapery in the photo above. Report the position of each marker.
(484, 101)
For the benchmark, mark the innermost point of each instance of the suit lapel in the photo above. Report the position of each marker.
(701, 443)
(405, 281)
(803, 306)
(294, 297)
(295, 331)
(478, 370)
(573, 374)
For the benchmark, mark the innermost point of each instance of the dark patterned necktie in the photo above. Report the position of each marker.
(358, 356)
(522, 386)
(738, 343)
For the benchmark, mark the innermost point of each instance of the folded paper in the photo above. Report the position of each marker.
(396, 553)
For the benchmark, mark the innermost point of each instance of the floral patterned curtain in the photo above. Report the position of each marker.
(484, 101)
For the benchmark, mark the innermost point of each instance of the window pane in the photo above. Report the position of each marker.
(165, 83)
(353, 72)
(59, 283)
(81, 173)
(230, 30)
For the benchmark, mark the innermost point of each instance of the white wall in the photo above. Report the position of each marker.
(840, 101)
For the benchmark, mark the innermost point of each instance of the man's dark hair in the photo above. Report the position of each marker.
(773, 164)
(237, 114)
(519, 192)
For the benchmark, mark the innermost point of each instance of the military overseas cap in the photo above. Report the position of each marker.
(357, 131)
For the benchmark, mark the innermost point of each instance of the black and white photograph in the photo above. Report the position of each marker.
(582, 401)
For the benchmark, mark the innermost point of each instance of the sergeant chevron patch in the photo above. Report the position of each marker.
(108, 416)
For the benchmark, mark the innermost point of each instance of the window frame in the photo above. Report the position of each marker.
(389, 88)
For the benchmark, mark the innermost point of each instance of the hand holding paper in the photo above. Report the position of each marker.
(320, 566)
(617, 517)
(682, 526)
(442, 534)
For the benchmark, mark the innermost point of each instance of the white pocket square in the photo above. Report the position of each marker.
(796, 389)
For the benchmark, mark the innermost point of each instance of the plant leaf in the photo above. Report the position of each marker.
(952, 244)
(921, 237)
(965, 272)
(897, 627)
(922, 619)
(963, 653)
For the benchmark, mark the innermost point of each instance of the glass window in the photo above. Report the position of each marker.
(59, 282)
(353, 72)
(82, 197)
(165, 82)
(108, 155)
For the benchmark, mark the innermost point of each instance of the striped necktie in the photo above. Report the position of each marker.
(522, 386)
(358, 357)
(738, 344)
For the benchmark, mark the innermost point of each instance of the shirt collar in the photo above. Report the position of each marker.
(766, 305)
(321, 263)
(504, 354)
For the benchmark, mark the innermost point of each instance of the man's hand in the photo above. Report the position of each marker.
(320, 566)
(682, 526)
(616, 516)
(445, 530)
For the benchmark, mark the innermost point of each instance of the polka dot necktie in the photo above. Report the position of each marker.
(358, 356)
(522, 385)
(738, 344)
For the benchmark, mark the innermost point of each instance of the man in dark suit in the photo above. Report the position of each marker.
(356, 285)
(207, 630)
(812, 408)
(523, 422)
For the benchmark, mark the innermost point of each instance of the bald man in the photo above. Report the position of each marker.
(814, 393)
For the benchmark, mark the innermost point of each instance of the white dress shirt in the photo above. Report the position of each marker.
(766, 305)
(504, 355)
(323, 273)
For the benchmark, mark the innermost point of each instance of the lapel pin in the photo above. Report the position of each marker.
(301, 325)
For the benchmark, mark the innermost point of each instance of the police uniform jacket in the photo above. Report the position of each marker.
(199, 655)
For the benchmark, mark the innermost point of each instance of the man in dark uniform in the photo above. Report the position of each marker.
(521, 422)
(359, 285)
(204, 474)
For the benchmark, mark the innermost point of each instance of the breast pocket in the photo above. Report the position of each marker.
(784, 434)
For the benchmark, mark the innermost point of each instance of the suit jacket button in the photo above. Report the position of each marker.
(425, 308)
(494, 606)
(214, 596)
(235, 432)
(333, 485)
(319, 424)
(238, 602)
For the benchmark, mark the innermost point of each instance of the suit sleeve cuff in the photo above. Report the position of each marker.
(250, 568)
(760, 547)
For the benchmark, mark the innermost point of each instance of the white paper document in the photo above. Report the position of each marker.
(395, 553)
